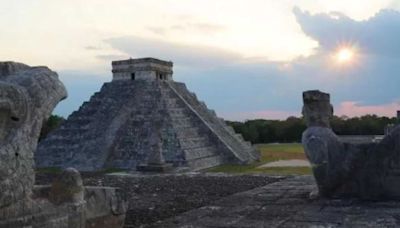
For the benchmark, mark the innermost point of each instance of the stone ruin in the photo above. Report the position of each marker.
(27, 97)
(143, 120)
(342, 169)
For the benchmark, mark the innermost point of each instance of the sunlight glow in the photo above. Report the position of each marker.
(344, 55)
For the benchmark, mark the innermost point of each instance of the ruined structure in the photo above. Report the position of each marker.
(345, 169)
(27, 98)
(117, 127)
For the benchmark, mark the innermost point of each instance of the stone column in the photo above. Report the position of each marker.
(317, 109)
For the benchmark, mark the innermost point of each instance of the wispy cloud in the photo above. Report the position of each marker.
(265, 114)
(112, 57)
(187, 55)
(244, 88)
(188, 27)
(93, 48)
(372, 35)
(351, 109)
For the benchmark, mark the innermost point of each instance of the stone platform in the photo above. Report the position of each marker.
(286, 204)
(225, 200)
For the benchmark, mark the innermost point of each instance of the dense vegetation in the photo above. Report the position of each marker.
(52, 123)
(290, 130)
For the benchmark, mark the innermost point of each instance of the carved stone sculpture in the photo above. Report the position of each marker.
(342, 169)
(28, 95)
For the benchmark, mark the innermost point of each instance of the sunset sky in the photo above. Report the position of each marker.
(245, 58)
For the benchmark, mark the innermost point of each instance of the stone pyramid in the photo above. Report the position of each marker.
(142, 117)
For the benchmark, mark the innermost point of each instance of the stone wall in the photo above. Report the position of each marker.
(148, 69)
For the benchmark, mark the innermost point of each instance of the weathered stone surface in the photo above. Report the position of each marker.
(105, 207)
(68, 187)
(343, 169)
(317, 109)
(114, 129)
(27, 98)
(286, 204)
(153, 197)
(156, 161)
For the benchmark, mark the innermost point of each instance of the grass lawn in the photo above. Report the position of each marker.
(270, 153)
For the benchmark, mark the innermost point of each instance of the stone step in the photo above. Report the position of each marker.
(178, 114)
(80, 121)
(71, 140)
(74, 127)
(197, 153)
(188, 132)
(240, 137)
(61, 147)
(205, 162)
(87, 111)
(178, 111)
(174, 103)
(184, 123)
(212, 112)
(191, 143)
(236, 143)
(230, 129)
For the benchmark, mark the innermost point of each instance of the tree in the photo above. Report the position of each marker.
(291, 129)
(51, 124)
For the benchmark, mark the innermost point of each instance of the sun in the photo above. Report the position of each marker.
(344, 55)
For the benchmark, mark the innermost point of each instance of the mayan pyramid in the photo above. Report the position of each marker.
(142, 116)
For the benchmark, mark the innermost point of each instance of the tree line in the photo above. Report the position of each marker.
(291, 129)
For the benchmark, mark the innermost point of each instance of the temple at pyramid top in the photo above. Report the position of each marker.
(149, 69)
(143, 120)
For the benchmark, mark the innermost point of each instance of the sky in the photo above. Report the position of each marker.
(246, 59)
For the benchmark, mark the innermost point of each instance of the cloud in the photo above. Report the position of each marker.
(265, 114)
(110, 57)
(157, 30)
(351, 109)
(206, 27)
(241, 88)
(185, 55)
(92, 48)
(374, 78)
(230, 83)
(379, 35)
(188, 27)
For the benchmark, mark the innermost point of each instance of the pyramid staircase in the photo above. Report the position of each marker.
(113, 130)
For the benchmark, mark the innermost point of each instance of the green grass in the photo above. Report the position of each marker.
(270, 153)
(284, 151)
